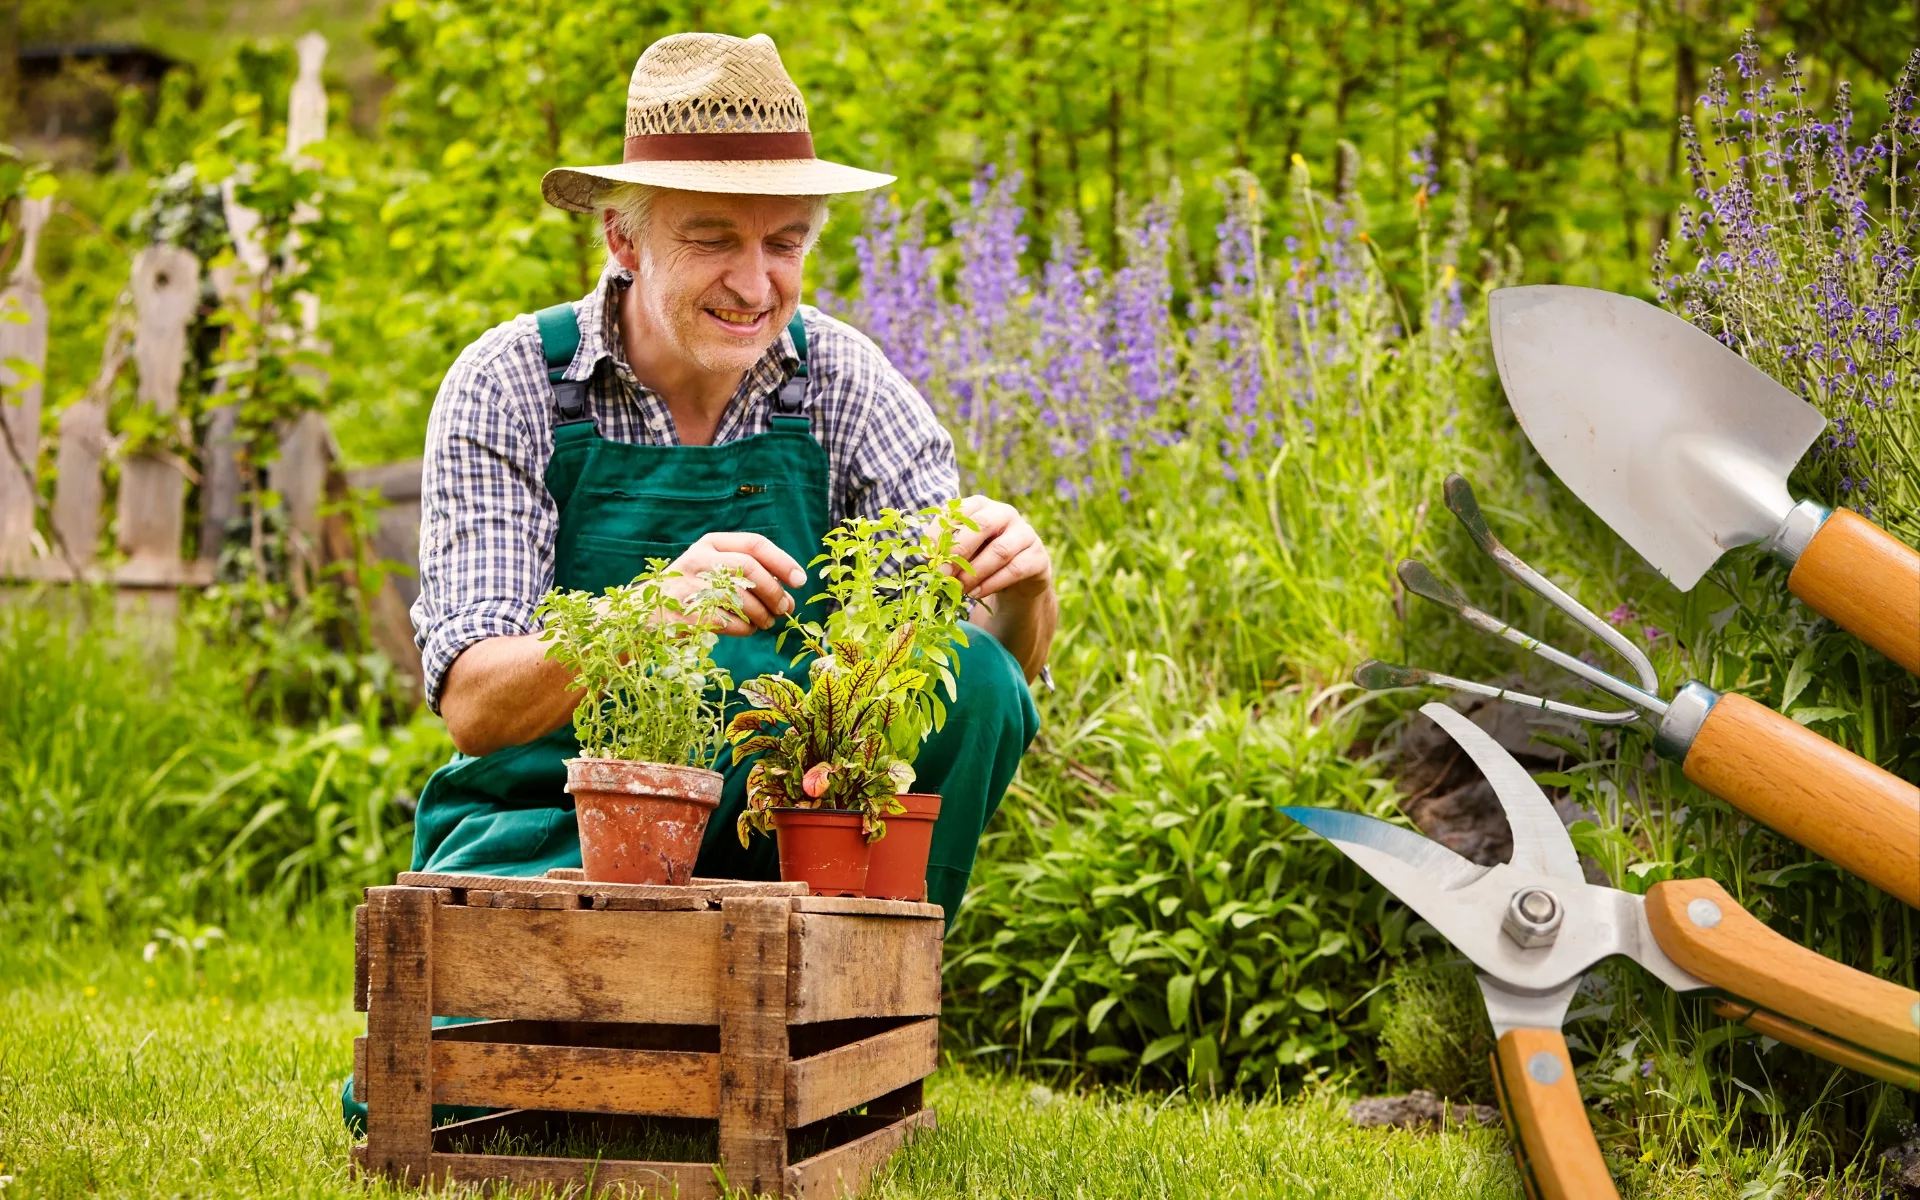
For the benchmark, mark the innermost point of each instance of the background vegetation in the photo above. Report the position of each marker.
(1203, 287)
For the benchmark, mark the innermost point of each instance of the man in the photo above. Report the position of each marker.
(695, 412)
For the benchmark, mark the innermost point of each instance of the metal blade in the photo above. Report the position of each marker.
(1425, 856)
(1675, 441)
(1465, 904)
(1540, 841)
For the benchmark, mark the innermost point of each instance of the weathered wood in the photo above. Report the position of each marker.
(516, 899)
(663, 899)
(299, 475)
(578, 965)
(360, 975)
(78, 491)
(153, 489)
(23, 339)
(837, 1080)
(611, 1035)
(854, 906)
(748, 887)
(307, 99)
(753, 1042)
(668, 1083)
(575, 874)
(400, 933)
(360, 1070)
(678, 1181)
(844, 967)
(219, 479)
(845, 1170)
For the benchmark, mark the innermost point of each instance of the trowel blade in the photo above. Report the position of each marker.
(1676, 442)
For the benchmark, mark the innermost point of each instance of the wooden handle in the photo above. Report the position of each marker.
(1703, 930)
(1836, 804)
(1549, 1124)
(1793, 1033)
(1867, 581)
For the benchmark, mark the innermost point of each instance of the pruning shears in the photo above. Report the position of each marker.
(1534, 925)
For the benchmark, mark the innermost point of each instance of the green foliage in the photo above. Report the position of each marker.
(643, 659)
(1435, 1034)
(837, 748)
(885, 574)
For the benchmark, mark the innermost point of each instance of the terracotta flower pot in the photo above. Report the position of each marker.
(899, 870)
(640, 822)
(822, 848)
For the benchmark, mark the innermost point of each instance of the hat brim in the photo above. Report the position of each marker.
(573, 188)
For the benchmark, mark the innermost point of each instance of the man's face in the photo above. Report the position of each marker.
(718, 276)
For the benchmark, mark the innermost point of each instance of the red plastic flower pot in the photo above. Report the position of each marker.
(822, 848)
(640, 822)
(899, 870)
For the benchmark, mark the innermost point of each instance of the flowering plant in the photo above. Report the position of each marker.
(881, 658)
(643, 658)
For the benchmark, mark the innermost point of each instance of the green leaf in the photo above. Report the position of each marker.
(1808, 716)
(1179, 999)
(1159, 1048)
(1798, 675)
(1099, 1011)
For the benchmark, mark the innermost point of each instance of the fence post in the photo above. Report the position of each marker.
(153, 485)
(20, 419)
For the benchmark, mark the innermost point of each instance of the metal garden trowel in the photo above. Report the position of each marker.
(1684, 448)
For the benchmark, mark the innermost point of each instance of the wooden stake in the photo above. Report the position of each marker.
(20, 411)
(166, 290)
(399, 1084)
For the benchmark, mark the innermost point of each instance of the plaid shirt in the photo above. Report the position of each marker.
(487, 522)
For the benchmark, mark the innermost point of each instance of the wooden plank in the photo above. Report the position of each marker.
(220, 483)
(753, 1042)
(749, 887)
(842, 967)
(400, 931)
(855, 906)
(23, 336)
(845, 1170)
(360, 958)
(664, 898)
(153, 487)
(538, 900)
(666, 1083)
(360, 1070)
(829, 1083)
(78, 491)
(577, 965)
(571, 1176)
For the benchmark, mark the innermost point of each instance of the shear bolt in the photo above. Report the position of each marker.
(1533, 917)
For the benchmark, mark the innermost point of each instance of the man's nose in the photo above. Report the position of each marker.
(750, 276)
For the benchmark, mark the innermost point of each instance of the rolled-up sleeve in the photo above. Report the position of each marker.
(487, 523)
(901, 457)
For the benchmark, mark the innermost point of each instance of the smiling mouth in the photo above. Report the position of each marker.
(736, 320)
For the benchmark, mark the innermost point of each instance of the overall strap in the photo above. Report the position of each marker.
(790, 402)
(559, 342)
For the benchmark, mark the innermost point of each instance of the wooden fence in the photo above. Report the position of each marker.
(151, 508)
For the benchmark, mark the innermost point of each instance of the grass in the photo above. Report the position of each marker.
(219, 1077)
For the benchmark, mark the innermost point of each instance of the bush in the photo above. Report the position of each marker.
(1435, 1034)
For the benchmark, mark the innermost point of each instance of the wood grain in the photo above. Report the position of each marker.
(400, 934)
(863, 967)
(1742, 957)
(23, 336)
(1801, 785)
(679, 1181)
(1867, 581)
(1793, 1033)
(665, 1083)
(845, 1170)
(1543, 1103)
(578, 965)
(78, 491)
(153, 491)
(360, 958)
(753, 1042)
(829, 1083)
(865, 907)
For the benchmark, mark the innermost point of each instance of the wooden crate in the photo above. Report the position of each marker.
(752, 1008)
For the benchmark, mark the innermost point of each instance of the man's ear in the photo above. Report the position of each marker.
(618, 244)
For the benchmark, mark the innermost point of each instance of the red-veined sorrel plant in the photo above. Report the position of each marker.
(644, 657)
(880, 659)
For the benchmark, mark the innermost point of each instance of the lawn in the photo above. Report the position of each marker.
(123, 1077)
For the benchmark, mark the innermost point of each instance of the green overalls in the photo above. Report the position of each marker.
(506, 813)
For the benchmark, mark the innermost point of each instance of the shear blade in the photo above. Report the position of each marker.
(1540, 841)
(1349, 830)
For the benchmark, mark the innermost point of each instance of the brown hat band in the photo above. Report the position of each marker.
(716, 147)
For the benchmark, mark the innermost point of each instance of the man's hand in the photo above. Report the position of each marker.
(1011, 582)
(763, 600)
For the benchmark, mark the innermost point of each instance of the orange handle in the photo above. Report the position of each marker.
(1553, 1141)
(1867, 581)
(1707, 933)
(1836, 804)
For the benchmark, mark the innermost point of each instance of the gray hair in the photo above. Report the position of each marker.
(632, 208)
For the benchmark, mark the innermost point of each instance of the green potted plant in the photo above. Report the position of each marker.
(837, 758)
(649, 721)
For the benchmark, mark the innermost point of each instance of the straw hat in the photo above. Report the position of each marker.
(712, 113)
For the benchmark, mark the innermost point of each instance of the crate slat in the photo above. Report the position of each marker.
(400, 935)
(829, 1083)
(680, 1181)
(578, 965)
(844, 966)
(858, 906)
(844, 1170)
(360, 958)
(664, 1083)
(753, 1041)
